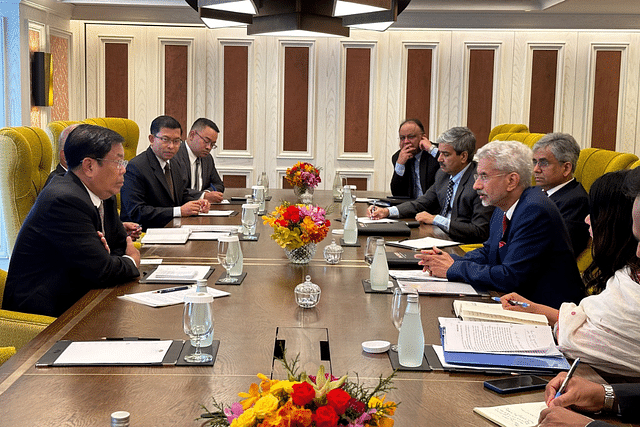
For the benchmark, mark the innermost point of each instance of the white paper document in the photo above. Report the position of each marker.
(480, 311)
(367, 220)
(516, 415)
(213, 228)
(423, 243)
(114, 353)
(177, 273)
(151, 261)
(157, 299)
(207, 235)
(415, 275)
(499, 338)
(436, 287)
(165, 235)
(213, 212)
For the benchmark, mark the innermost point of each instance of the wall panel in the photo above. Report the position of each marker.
(356, 108)
(176, 67)
(543, 90)
(605, 99)
(419, 85)
(480, 93)
(235, 97)
(116, 72)
(296, 98)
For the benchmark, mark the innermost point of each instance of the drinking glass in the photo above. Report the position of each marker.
(249, 220)
(198, 323)
(263, 180)
(370, 250)
(228, 255)
(397, 311)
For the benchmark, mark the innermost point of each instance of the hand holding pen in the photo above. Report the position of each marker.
(579, 393)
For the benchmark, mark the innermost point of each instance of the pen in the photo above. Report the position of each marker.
(568, 377)
(513, 302)
(164, 291)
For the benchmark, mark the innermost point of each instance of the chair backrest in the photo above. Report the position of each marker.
(507, 128)
(529, 139)
(595, 162)
(53, 130)
(25, 163)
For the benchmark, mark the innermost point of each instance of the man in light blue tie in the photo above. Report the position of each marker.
(450, 203)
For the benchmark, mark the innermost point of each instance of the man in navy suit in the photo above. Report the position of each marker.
(153, 193)
(415, 164)
(450, 203)
(195, 161)
(528, 250)
(72, 241)
(555, 156)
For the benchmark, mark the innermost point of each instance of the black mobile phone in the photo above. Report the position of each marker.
(516, 384)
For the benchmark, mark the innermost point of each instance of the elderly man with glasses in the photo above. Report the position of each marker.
(528, 250)
(153, 192)
(196, 163)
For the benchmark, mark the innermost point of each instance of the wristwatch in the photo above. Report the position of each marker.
(609, 398)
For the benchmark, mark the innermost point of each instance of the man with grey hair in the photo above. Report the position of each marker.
(555, 156)
(450, 203)
(61, 169)
(528, 250)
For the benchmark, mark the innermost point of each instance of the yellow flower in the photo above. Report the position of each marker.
(287, 386)
(251, 397)
(246, 419)
(265, 405)
(385, 422)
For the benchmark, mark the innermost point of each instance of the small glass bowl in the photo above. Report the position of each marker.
(307, 293)
(333, 252)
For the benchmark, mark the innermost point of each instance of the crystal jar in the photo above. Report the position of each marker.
(307, 293)
(333, 252)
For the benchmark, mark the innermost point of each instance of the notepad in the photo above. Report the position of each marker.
(517, 415)
(423, 243)
(480, 311)
(213, 212)
(436, 286)
(166, 236)
(213, 228)
(167, 273)
(155, 299)
(114, 353)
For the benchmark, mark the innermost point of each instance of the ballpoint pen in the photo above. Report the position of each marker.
(164, 291)
(513, 302)
(568, 377)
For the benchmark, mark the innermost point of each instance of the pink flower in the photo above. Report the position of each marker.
(234, 412)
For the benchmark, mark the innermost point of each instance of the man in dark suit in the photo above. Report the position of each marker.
(450, 203)
(196, 163)
(415, 164)
(587, 396)
(555, 156)
(61, 168)
(72, 240)
(153, 193)
(528, 250)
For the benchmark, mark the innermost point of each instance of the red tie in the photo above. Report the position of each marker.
(505, 223)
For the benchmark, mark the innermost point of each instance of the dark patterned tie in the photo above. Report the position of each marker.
(196, 179)
(167, 175)
(447, 205)
(505, 224)
(101, 213)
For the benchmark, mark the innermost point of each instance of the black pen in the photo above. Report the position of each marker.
(568, 377)
(164, 291)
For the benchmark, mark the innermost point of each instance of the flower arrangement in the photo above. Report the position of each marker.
(296, 225)
(305, 401)
(303, 174)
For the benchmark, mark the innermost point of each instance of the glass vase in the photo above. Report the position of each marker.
(304, 194)
(301, 255)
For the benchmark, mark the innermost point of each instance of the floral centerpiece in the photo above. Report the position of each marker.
(297, 229)
(303, 174)
(305, 401)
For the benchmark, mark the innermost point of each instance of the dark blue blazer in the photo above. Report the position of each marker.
(573, 202)
(536, 259)
(403, 185)
(628, 397)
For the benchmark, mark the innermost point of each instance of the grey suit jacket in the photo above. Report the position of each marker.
(211, 181)
(469, 219)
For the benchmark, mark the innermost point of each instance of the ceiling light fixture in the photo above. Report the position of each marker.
(221, 19)
(353, 7)
(377, 21)
(238, 6)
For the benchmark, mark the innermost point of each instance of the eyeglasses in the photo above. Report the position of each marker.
(120, 163)
(207, 141)
(404, 137)
(543, 163)
(483, 177)
(167, 140)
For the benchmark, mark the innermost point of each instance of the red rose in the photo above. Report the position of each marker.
(282, 223)
(357, 406)
(338, 399)
(325, 416)
(303, 393)
(292, 214)
(327, 223)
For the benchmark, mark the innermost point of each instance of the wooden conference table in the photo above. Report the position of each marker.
(246, 324)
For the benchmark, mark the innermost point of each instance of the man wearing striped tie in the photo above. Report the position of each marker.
(450, 203)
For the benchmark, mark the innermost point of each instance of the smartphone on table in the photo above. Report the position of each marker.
(516, 384)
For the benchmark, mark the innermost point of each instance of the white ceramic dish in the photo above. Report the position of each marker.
(376, 346)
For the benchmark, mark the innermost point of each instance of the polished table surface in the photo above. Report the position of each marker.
(246, 324)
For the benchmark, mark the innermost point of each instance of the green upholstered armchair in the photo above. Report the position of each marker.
(17, 329)
(25, 163)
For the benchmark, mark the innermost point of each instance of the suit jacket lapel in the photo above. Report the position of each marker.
(158, 172)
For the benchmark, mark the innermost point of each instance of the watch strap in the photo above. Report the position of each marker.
(609, 398)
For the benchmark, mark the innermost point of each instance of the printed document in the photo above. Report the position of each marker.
(436, 287)
(114, 352)
(423, 243)
(213, 212)
(516, 415)
(157, 299)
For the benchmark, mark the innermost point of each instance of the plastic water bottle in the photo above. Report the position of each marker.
(237, 269)
(337, 187)
(350, 227)
(411, 338)
(346, 202)
(207, 340)
(379, 273)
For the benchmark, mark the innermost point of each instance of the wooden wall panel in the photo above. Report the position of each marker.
(418, 104)
(356, 108)
(236, 87)
(285, 183)
(116, 77)
(175, 84)
(296, 98)
(234, 181)
(480, 95)
(605, 99)
(543, 90)
(360, 183)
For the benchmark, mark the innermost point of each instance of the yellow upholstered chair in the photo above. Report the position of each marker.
(507, 128)
(634, 165)
(595, 162)
(25, 163)
(529, 139)
(17, 329)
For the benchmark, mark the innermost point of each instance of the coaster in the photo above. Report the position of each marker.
(395, 363)
(188, 349)
(367, 287)
(347, 245)
(236, 279)
(244, 238)
(267, 198)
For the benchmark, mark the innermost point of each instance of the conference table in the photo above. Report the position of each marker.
(246, 324)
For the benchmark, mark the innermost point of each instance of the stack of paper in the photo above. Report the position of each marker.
(517, 415)
(210, 232)
(158, 299)
(423, 243)
(165, 235)
(479, 311)
(507, 345)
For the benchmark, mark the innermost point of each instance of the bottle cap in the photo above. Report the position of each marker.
(120, 419)
(198, 297)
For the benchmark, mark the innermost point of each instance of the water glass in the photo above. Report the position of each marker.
(258, 196)
(198, 323)
(249, 219)
(228, 254)
(263, 180)
(398, 306)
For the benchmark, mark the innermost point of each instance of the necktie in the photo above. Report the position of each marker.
(505, 224)
(101, 213)
(167, 175)
(196, 179)
(447, 205)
